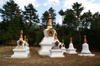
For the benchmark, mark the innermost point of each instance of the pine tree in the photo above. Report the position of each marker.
(30, 15)
(45, 18)
(69, 18)
(12, 20)
(10, 10)
(78, 8)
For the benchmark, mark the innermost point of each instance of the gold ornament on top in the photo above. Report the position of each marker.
(49, 20)
(21, 34)
(55, 35)
(70, 39)
(27, 40)
(50, 32)
(24, 38)
(63, 42)
(85, 41)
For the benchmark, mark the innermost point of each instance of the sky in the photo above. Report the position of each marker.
(43, 5)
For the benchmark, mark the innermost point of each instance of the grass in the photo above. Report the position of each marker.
(37, 60)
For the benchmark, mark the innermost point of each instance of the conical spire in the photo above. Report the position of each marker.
(70, 39)
(25, 38)
(85, 41)
(21, 34)
(55, 35)
(63, 41)
(49, 20)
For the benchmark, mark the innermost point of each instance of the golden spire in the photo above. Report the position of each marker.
(62, 41)
(70, 39)
(21, 34)
(49, 20)
(25, 38)
(85, 41)
(55, 35)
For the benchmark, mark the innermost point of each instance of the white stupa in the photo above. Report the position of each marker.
(26, 45)
(63, 47)
(85, 49)
(55, 51)
(20, 51)
(46, 43)
(71, 49)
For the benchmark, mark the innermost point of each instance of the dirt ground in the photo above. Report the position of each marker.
(37, 60)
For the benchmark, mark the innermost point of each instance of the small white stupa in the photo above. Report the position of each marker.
(26, 45)
(63, 47)
(85, 49)
(20, 51)
(71, 49)
(55, 50)
(46, 43)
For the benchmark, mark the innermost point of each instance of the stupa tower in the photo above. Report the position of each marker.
(46, 43)
(85, 49)
(49, 24)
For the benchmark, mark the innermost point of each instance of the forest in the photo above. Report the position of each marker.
(75, 24)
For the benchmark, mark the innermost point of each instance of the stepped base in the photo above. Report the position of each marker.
(86, 54)
(56, 53)
(20, 53)
(71, 51)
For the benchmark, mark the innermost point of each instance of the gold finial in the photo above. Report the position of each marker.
(49, 20)
(55, 35)
(24, 38)
(70, 39)
(85, 41)
(21, 34)
(27, 40)
(62, 41)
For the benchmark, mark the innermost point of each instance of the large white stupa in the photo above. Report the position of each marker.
(21, 51)
(56, 51)
(85, 49)
(46, 43)
(71, 49)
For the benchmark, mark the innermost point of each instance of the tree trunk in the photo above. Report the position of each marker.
(80, 37)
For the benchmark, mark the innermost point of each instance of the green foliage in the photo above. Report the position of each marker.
(30, 15)
(10, 10)
(61, 12)
(70, 18)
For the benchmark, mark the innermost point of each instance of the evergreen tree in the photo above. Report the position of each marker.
(86, 19)
(78, 8)
(45, 18)
(30, 15)
(96, 21)
(10, 10)
(12, 20)
(62, 13)
(69, 18)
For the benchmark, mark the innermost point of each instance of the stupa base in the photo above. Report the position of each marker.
(71, 51)
(56, 53)
(45, 49)
(43, 53)
(20, 53)
(86, 54)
